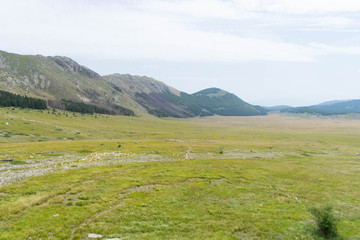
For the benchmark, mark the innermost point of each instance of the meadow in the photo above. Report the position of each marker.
(200, 178)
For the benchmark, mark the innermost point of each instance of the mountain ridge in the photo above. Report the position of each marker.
(335, 107)
(59, 79)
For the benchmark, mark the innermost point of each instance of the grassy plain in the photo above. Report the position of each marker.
(201, 178)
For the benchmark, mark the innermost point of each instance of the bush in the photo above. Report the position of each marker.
(326, 222)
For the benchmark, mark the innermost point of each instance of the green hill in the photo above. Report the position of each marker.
(223, 103)
(329, 108)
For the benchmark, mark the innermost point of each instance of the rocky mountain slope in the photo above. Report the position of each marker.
(61, 78)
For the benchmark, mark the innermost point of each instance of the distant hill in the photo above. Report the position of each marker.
(220, 102)
(65, 84)
(331, 102)
(329, 108)
(277, 108)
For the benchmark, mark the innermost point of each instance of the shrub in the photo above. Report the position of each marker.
(326, 222)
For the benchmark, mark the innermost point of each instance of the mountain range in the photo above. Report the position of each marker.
(334, 107)
(62, 82)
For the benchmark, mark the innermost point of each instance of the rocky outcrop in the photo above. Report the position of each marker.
(71, 66)
(137, 84)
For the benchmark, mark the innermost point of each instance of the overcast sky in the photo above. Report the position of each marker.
(268, 52)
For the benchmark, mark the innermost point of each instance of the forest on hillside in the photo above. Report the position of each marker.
(8, 99)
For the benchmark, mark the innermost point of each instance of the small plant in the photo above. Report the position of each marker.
(326, 222)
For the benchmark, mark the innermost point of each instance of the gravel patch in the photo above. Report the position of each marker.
(10, 173)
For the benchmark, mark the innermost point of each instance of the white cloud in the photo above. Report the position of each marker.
(164, 30)
(197, 8)
(300, 6)
(235, 8)
(120, 32)
(324, 49)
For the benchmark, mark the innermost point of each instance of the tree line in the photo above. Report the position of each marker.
(8, 99)
(81, 107)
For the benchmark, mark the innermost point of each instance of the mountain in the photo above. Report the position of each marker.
(220, 102)
(65, 84)
(331, 102)
(329, 108)
(54, 79)
(162, 100)
(277, 108)
(150, 95)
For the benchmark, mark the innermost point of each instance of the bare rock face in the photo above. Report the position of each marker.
(3, 62)
(71, 66)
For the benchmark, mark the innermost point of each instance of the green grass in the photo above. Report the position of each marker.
(272, 170)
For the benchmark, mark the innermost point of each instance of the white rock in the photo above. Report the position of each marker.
(93, 235)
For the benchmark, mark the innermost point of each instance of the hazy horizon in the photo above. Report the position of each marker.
(266, 52)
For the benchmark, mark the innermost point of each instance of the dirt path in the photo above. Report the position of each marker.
(187, 154)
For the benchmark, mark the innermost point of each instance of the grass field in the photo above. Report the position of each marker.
(201, 178)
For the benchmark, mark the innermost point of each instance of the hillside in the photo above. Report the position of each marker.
(329, 108)
(151, 95)
(60, 80)
(223, 103)
(54, 79)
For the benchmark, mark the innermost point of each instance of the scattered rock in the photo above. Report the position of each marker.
(218, 181)
(93, 235)
(56, 215)
(136, 143)
(357, 154)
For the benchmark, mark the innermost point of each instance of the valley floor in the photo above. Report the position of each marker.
(202, 178)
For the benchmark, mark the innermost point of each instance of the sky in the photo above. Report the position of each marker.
(267, 52)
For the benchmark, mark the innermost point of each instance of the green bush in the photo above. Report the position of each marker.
(326, 222)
